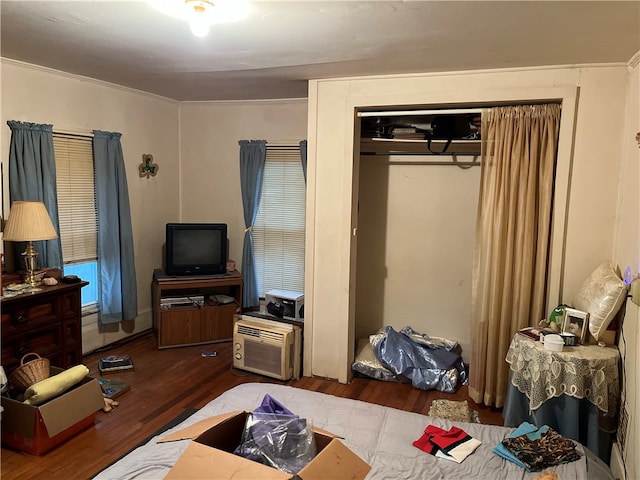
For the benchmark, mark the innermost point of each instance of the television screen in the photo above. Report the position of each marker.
(196, 248)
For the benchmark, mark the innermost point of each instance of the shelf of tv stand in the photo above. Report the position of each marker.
(194, 325)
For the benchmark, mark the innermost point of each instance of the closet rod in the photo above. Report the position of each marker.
(463, 165)
(474, 163)
(424, 154)
(409, 113)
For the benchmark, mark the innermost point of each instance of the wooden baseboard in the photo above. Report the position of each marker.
(118, 343)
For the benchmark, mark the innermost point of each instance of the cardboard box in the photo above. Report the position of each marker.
(210, 454)
(37, 429)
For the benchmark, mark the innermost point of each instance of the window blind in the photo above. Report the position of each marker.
(76, 197)
(279, 229)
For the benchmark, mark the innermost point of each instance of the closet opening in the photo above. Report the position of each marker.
(416, 221)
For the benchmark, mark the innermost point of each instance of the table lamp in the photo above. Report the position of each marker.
(29, 222)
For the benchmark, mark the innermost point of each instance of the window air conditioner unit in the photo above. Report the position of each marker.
(267, 347)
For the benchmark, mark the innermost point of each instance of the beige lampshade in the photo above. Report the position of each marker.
(28, 221)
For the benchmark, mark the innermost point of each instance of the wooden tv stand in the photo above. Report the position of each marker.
(191, 324)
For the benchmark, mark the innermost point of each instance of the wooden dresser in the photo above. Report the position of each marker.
(48, 322)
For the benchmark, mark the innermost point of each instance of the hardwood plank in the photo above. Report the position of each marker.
(166, 382)
(422, 405)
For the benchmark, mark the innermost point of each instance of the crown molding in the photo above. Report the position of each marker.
(60, 73)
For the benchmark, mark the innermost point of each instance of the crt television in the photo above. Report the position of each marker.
(196, 249)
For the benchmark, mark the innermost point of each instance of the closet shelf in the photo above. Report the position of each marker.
(397, 146)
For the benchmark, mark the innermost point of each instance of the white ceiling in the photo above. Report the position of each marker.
(282, 44)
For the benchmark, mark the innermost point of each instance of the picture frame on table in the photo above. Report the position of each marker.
(576, 322)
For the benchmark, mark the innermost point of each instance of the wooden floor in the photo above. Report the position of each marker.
(165, 383)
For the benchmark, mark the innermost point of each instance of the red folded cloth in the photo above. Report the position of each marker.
(453, 444)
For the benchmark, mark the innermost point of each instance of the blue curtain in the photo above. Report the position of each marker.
(252, 158)
(32, 176)
(116, 266)
(303, 158)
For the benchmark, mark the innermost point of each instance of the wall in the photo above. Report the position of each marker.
(593, 99)
(148, 124)
(627, 253)
(209, 135)
(194, 144)
(416, 226)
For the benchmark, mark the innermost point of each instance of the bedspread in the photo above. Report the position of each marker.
(381, 436)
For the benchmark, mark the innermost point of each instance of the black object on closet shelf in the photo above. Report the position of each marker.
(448, 127)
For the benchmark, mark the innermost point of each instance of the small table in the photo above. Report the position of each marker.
(576, 391)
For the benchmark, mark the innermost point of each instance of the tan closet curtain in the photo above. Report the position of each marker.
(512, 238)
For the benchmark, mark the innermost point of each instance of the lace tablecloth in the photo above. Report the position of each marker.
(584, 371)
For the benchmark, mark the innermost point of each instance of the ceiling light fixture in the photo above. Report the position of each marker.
(201, 14)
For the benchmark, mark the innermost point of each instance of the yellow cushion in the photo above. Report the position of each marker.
(50, 387)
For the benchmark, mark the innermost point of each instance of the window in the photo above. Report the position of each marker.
(279, 229)
(77, 210)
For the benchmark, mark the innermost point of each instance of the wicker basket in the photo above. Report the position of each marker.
(30, 372)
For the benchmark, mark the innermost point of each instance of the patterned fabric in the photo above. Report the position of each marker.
(504, 452)
(539, 452)
(451, 410)
(584, 371)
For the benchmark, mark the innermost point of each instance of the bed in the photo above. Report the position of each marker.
(381, 436)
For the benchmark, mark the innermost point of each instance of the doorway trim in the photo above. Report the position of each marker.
(333, 165)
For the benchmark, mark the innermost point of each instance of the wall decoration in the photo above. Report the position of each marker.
(147, 168)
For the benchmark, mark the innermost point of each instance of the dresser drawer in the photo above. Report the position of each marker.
(24, 316)
(69, 305)
(45, 341)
